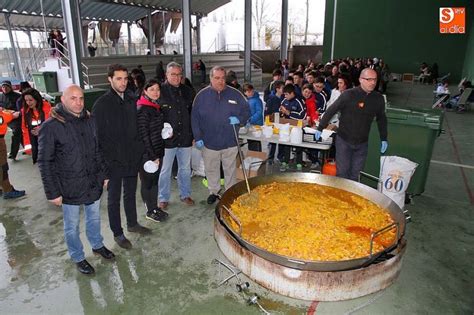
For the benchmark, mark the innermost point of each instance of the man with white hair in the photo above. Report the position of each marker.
(217, 110)
(176, 101)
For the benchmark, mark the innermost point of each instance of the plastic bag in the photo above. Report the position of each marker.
(395, 175)
(252, 163)
(197, 162)
(167, 131)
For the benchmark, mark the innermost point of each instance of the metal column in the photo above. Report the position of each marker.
(129, 33)
(31, 56)
(70, 17)
(248, 41)
(151, 34)
(284, 30)
(187, 46)
(16, 58)
(198, 34)
(33, 61)
(333, 29)
(29, 39)
(80, 43)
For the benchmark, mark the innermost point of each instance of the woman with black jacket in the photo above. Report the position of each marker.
(150, 125)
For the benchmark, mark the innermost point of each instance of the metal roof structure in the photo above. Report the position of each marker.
(26, 14)
(33, 23)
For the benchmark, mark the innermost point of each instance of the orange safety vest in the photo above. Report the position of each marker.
(5, 118)
(36, 120)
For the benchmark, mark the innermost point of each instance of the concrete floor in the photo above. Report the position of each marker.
(171, 271)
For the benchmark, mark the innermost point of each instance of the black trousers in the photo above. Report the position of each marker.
(34, 147)
(271, 154)
(350, 159)
(149, 188)
(129, 203)
(17, 139)
(286, 152)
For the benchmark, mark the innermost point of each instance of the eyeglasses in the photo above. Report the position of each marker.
(176, 74)
(370, 79)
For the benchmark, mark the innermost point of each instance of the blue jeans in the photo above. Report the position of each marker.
(71, 229)
(183, 156)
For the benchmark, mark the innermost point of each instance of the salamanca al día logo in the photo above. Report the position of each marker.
(452, 20)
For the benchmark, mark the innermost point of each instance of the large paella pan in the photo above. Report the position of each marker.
(232, 223)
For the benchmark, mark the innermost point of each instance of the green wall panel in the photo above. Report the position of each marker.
(468, 69)
(404, 33)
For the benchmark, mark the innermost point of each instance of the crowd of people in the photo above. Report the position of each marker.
(308, 92)
(24, 114)
(139, 127)
(123, 138)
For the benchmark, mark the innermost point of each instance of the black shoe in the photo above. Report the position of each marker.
(123, 242)
(14, 194)
(157, 215)
(211, 199)
(104, 252)
(139, 229)
(85, 268)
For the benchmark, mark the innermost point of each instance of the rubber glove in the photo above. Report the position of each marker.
(234, 120)
(199, 144)
(317, 135)
(383, 147)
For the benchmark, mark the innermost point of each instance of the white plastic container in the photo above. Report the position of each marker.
(284, 131)
(267, 131)
(296, 135)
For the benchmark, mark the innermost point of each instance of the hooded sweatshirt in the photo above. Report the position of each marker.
(256, 109)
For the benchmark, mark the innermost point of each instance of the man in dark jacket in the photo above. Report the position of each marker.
(73, 173)
(217, 112)
(8, 100)
(176, 102)
(115, 113)
(358, 107)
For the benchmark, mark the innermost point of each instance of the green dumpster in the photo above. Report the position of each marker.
(53, 98)
(46, 81)
(411, 134)
(90, 96)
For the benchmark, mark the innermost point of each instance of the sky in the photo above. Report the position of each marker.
(232, 10)
(296, 12)
(272, 16)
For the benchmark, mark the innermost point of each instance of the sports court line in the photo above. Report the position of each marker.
(458, 159)
(453, 164)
